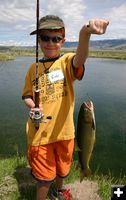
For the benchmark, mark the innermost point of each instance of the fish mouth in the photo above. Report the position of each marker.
(90, 114)
(89, 105)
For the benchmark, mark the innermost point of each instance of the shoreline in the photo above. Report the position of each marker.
(100, 53)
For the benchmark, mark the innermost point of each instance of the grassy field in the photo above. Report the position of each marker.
(7, 56)
(13, 52)
(17, 184)
(108, 54)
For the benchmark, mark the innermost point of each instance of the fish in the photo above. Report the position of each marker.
(85, 137)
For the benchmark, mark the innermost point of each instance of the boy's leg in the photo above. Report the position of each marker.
(42, 162)
(59, 183)
(60, 192)
(42, 191)
(63, 156)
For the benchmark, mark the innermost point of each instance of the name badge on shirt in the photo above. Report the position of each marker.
(55, 76)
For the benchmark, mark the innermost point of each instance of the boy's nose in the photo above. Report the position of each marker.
(50, 41)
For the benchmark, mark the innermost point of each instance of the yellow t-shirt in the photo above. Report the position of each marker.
(56, 97)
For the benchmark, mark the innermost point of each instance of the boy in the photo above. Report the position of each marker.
(50, 147)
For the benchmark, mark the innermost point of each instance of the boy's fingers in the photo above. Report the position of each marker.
(40, 106)
(98, 26)
(107, 22)
(35, 110)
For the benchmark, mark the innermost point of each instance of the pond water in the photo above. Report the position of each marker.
(104, 82)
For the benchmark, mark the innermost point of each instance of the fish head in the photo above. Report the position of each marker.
(87, 111)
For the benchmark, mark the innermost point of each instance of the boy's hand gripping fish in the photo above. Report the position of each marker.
(86, 129)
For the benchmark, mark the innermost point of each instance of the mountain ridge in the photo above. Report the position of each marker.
(119, 44)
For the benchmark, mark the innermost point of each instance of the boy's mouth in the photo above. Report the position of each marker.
(51, 48)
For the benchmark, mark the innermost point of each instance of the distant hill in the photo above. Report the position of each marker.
(119, 44)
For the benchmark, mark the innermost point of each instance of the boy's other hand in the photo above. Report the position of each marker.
(96, 26)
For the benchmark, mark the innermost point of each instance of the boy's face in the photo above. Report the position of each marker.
(51, 43)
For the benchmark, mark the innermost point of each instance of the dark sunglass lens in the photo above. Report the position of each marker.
(56, 39)
(44, 38)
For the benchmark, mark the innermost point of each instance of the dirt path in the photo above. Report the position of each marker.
(87, 190)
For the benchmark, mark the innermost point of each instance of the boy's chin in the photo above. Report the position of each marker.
(51, 55)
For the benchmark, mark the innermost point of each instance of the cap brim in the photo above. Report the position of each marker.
(33, 32)
(46, 28)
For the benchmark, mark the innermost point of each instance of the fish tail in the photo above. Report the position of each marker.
(84, 173)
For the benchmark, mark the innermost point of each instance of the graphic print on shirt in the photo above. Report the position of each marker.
(52, 86)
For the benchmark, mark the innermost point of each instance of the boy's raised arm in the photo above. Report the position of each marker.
(96, 26)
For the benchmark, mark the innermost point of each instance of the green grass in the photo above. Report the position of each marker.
(113, 54)
(105, 183)
(6, 56)
(16, 182)
(8, 182)
(13, 52)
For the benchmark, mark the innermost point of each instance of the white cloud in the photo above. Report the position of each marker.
(117, 18)
(21, 15)
(72, 13)
(18, 17)
(11, 13)
(118, 14)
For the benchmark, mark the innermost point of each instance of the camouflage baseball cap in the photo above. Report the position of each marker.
(49, 22)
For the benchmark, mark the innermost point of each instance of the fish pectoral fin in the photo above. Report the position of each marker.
(84, 173)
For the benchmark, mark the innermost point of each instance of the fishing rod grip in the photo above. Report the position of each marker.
(37, 92)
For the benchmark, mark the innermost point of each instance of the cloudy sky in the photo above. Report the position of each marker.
(18, 18)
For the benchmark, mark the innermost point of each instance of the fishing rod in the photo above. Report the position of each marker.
(37, 116)
(36, 82)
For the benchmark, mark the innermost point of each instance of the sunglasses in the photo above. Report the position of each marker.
(54, 39)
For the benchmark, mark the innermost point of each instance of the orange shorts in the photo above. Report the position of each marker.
(48, 161)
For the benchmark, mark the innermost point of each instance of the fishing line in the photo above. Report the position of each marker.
(88, 96)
